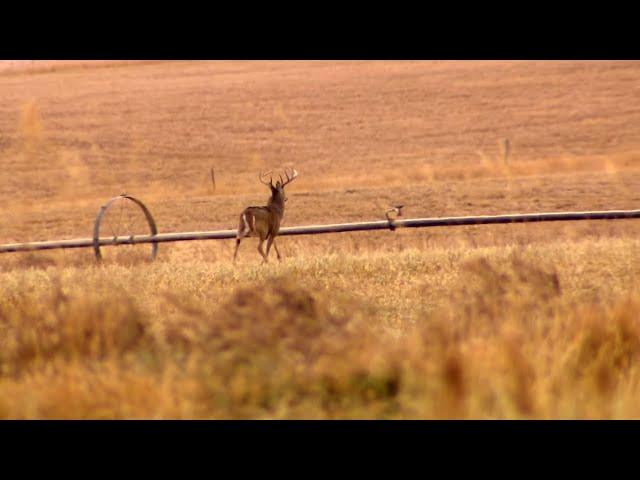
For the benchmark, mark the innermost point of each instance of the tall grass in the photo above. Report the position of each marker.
(518, 332)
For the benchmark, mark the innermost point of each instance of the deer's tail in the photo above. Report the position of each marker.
(247, 224)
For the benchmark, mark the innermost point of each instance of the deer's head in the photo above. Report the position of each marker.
(277, 190)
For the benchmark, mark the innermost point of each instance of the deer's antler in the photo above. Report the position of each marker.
(290, 177)
(270, 183)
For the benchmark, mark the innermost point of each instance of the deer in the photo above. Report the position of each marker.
(264, 222)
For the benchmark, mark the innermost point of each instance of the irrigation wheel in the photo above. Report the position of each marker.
(120, 220)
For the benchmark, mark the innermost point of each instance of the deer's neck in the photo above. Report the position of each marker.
(276, 204)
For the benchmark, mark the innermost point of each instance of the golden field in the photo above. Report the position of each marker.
(505, 321)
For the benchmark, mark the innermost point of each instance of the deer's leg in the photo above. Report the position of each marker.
(276, 247)
(261, 251)
(269, 242)
(243, 231)
(235, 254)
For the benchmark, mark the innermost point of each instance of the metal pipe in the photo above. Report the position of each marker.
(335, 228)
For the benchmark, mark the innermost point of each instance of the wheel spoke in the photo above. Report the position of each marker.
(106, 218)
(120, 217)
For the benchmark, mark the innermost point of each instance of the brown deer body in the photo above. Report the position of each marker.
(264, 222)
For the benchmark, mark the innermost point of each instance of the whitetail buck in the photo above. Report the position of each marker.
(264, 222)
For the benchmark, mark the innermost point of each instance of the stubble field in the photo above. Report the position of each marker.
(505, 321)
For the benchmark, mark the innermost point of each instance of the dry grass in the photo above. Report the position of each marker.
(505, 321)
(542, 331)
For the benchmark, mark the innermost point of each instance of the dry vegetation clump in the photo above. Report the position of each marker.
(72, 325)
(525, 332)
